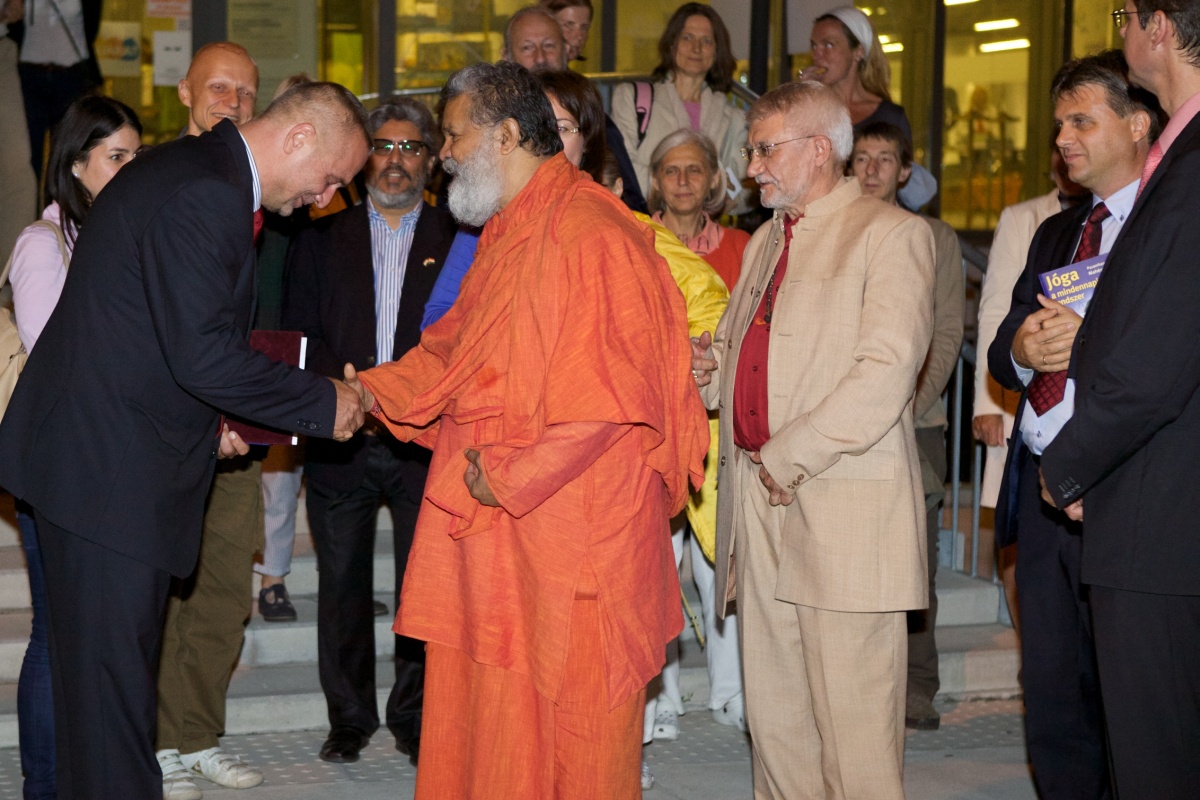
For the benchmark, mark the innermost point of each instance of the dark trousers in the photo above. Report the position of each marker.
(106, 615)
(923, 678)
(1149, 652)
(1064, 720)
(343, 527)
(35, 694)
(47, 93)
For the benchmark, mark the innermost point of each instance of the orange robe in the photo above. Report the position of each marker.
(566, 363)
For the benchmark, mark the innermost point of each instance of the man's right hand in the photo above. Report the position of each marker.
(349, 415)
(1043, 343)
(989, 429)
(702, 365)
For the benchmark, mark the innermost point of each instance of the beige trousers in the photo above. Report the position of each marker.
(825, 690)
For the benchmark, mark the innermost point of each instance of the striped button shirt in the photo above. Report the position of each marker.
(389, 254)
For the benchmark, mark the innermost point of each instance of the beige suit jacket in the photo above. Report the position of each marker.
(852, 325)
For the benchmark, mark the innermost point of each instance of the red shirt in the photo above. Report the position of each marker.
(750, 427)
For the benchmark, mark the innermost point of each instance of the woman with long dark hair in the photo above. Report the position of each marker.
(95, 138)
(690, 90)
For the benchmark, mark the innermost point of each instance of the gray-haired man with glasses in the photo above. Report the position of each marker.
(821, 515)
(382, 258)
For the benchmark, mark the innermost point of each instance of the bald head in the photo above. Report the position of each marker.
(221, 83)
(534, 40)
(310, 140)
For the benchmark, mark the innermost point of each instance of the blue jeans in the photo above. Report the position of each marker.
(35, 700)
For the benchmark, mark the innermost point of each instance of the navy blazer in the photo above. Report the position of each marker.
(329, 294)
(1053, 246)
(1131, 447)
(111, 433)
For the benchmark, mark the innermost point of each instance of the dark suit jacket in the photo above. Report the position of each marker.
(1053, 246)
(330, 295)
(631, 194)
(111, 433)
(1130, 449)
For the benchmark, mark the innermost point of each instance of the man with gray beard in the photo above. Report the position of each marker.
(384, 255)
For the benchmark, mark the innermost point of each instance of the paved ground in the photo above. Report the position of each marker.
(977, 754)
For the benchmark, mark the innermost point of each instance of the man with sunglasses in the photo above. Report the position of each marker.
(381, 257)
(821, 514)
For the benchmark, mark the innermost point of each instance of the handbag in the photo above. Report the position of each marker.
(12, 350)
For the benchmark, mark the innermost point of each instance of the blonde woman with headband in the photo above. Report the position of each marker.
(848, 59)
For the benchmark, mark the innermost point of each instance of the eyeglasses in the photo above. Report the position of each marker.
(564, 128)
(764, 150)
(1121, 17)
(413, 148)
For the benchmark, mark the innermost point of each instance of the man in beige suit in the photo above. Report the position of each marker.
(821, 517)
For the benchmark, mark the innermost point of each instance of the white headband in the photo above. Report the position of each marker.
(858, 24)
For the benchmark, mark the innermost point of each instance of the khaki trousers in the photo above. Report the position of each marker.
(16, 173)
(824, 689)
(207, 613)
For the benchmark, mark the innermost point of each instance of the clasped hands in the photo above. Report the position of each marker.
(1044, 340)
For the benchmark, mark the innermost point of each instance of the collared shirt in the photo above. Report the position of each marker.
(54, 33)
(1039, 432)
(708, 239)
(253, 174)
(389, 254)
(1179, 120)
(751, 426)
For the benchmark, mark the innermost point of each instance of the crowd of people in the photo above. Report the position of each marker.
(560, 369)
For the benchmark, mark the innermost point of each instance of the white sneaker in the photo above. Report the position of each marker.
(647, 777)
(733, 713)
(223, 769)
(666, 723)
(177, 781)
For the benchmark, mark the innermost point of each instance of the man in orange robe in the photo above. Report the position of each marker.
(566, 429)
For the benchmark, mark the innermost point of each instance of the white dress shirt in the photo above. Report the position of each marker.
(1039, 432)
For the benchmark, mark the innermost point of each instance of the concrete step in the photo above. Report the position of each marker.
(963, 601)
(975, 661)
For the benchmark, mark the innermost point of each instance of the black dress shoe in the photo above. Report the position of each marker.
(343, 745)
(409, 747)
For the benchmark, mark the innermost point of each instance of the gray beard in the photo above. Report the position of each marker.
(384, 199)
(476, 190)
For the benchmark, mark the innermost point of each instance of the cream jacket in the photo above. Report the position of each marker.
(852, 325)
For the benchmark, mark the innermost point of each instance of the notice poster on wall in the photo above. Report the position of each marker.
(119, 49)
(172, 55)
(178, 10)
(267, 27)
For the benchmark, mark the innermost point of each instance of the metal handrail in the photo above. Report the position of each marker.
(746, 95)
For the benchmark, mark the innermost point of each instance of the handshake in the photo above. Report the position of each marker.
(353, 403)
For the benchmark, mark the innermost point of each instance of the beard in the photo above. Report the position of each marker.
(477, 187)
(404, 199)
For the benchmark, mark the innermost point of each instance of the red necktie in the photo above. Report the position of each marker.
(1047, 388)
(258, 224)
(1152, 158)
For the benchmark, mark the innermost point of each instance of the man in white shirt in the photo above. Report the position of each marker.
(1106, 128)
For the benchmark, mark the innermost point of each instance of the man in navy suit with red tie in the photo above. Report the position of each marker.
(1106, 128)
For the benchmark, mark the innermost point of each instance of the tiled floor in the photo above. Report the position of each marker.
(978, 753)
